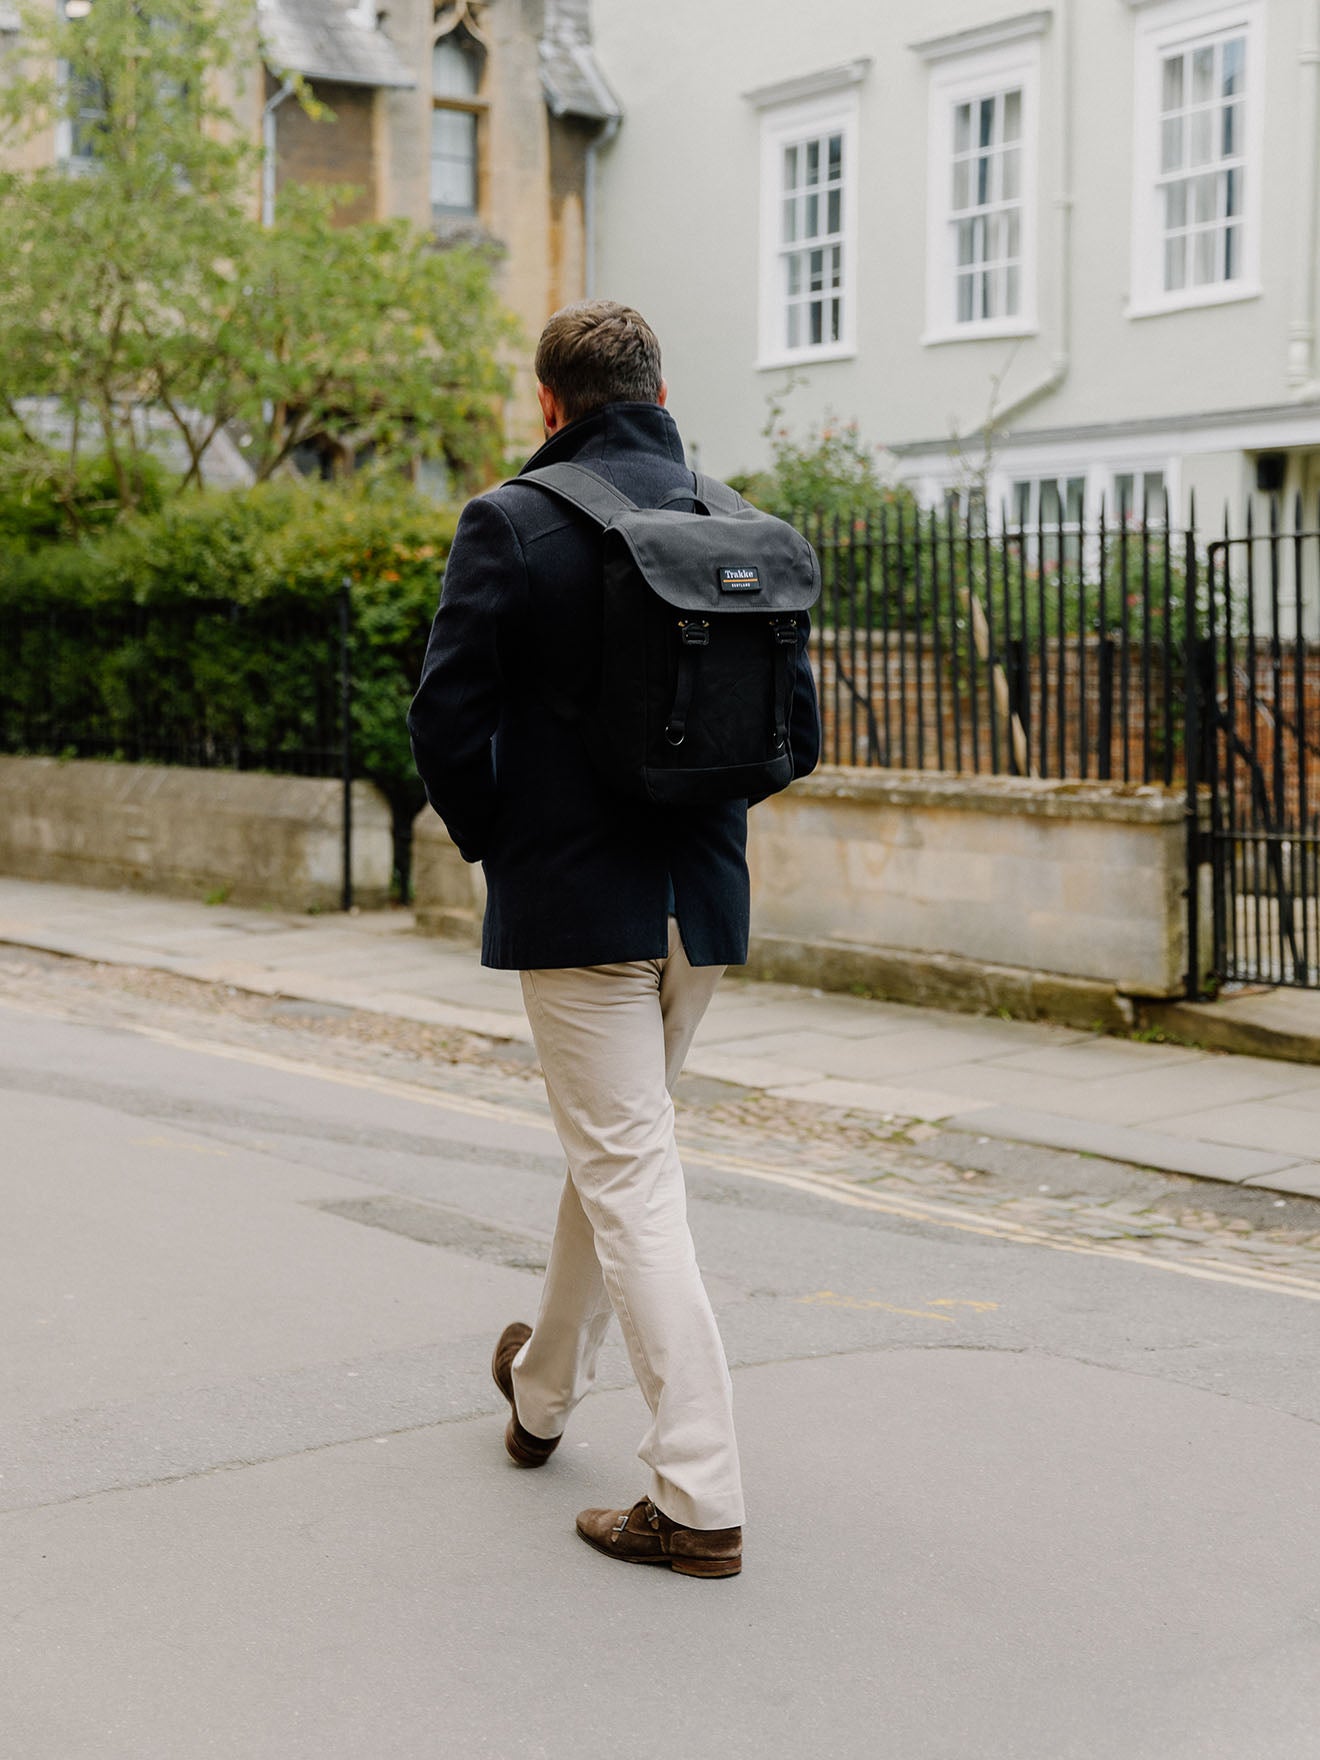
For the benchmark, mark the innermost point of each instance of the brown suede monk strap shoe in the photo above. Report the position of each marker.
(645, 1535)
(525, 1450)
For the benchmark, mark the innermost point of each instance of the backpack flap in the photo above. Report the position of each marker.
(721, 563)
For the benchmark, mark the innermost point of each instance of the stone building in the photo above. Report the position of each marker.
(479, 119)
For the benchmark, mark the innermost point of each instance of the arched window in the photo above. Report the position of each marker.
(456, 66)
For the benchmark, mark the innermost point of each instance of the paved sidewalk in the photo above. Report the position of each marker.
(1244, 1120)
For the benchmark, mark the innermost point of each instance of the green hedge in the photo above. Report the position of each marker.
(122, 642)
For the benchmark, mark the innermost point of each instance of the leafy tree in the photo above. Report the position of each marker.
(142, 289)
(365, 335)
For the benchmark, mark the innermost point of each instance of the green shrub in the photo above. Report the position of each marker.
(209, 632)
(42, 496)
(830, 475)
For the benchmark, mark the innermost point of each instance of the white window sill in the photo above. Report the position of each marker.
(805, 357)
(1227, 294)
(1018, 328)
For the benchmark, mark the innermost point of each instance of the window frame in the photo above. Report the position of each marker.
(783, 126)
(1162, 29)
(1139, 508)
(71, 161)
(969, 78)
(476, 106)
(1062, 483)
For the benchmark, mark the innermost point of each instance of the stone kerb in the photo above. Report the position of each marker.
(1058, 898)
(252, 838)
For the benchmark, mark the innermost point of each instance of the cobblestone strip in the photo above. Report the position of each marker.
(1158, 1215)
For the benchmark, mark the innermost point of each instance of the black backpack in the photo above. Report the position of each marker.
(698, 641)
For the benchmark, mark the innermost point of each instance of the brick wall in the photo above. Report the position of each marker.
(929, 714)
(1276, 718)
(947, 712)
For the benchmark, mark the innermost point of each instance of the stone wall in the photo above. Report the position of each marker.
(1052, 898)
(449, 894)
(251, 838)
(1062, 900)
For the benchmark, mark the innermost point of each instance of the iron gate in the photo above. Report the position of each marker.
(1253, 736)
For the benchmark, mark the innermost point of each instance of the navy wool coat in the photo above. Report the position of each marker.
(576, 875)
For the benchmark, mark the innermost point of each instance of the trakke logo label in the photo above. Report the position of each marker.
(740, 580)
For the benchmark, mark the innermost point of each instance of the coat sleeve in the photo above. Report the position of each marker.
(456, 711)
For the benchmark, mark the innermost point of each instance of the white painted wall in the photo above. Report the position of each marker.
(680, 195)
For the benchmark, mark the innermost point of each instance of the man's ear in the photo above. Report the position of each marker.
(662, 396)
(552, 413)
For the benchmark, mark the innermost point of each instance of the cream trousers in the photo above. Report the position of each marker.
(612, 1040)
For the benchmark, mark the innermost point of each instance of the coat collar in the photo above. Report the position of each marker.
(619, 427)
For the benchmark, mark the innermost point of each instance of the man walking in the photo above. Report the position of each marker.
(620, 917)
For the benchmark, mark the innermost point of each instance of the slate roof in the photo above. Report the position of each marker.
(322, 40)
(571, 77)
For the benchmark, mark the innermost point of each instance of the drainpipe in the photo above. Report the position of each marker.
(603, 139)
(1301, 332)
(1064, 204)
(269, 127)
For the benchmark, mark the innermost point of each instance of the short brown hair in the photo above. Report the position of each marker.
(598, 352)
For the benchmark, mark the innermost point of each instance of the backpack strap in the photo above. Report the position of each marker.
(581, 488)
(693, 636)
(784, 634)
(717, 497)
(707, 492)
(601, 501)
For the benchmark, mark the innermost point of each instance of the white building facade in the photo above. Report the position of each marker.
(1043, 255)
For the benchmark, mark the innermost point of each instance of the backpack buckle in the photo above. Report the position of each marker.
(694, 632)
(785, 631)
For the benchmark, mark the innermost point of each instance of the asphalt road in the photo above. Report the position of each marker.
(1017, 1490)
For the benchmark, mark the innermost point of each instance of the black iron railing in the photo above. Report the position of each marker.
(1124, 651)
(1258, 696)
(212, 683)
(1047, 651)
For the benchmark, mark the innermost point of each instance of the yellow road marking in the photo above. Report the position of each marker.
(180, 1143)
(826, 1298)
(837, 1190)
